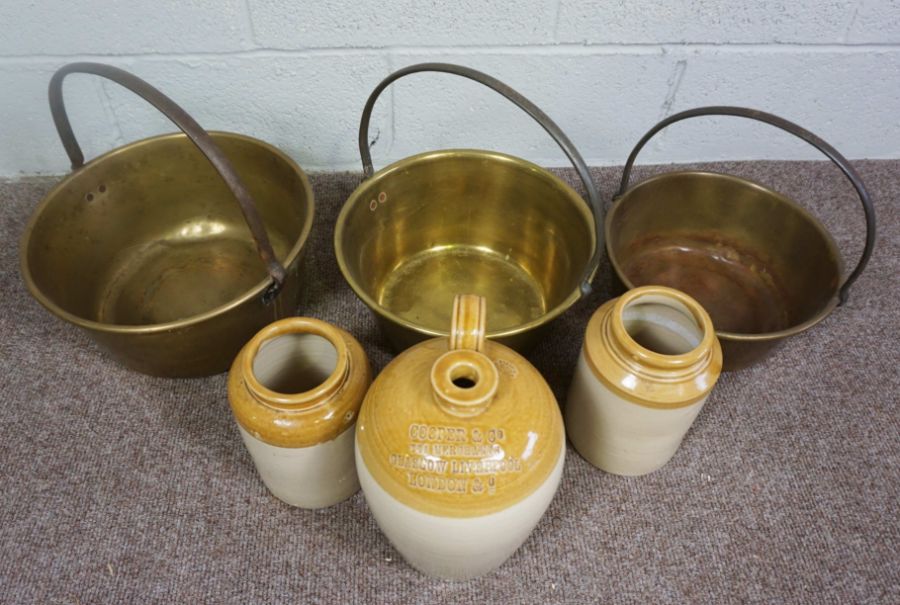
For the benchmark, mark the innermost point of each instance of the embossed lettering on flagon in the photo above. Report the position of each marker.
(455, 459)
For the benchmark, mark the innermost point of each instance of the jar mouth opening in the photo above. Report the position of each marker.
(663, 327)
(464, 382)
(295, 361)
(465, 375)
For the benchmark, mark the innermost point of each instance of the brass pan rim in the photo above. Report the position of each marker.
(255, 291)
(455, 153)
(816, 223)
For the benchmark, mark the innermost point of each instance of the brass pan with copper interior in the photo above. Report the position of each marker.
(417, 233)
(762, 266)
(145, 248)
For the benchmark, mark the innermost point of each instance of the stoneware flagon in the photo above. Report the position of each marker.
(649, 361)
(295, 390)
(460, 448)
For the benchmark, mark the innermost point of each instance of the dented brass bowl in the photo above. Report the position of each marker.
(762, 266)
(147, 249)
(417, 233)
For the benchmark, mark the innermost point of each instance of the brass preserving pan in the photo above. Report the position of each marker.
(420, 231)
(762, 266)
(146, 249)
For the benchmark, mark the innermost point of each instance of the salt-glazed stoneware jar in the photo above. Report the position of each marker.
(460, 448)
(649, 361)
(295, 390)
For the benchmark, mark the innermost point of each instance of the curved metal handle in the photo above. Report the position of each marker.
(794, 129)
(530, 108)
(189, 127)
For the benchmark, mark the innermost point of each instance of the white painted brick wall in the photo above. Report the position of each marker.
(297, 75)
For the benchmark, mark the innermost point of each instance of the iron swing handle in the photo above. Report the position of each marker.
(531, 109)
(753, 114)
(197, 135)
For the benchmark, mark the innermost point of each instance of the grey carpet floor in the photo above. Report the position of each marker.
(118, 487)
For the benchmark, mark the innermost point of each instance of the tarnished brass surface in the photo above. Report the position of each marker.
(434, 225)
(146, 248)
(762, 266)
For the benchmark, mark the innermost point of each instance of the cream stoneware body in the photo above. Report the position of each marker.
(460, 449)
(649, 361)
(295, 390)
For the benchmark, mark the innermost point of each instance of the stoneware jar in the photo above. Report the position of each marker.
(649, 361)
(460, 448)
(295, 390)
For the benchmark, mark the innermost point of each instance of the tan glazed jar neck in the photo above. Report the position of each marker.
(464, 380)
(655, 346)
(653, 363)
(271, 343)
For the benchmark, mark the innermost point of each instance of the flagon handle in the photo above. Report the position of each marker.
(189, 127)
(464, 380)
(794, 129)
(467, 325)
(530, 108)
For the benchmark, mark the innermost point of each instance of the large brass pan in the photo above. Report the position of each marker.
(762, 266)
(146, 249)
(417, 233)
